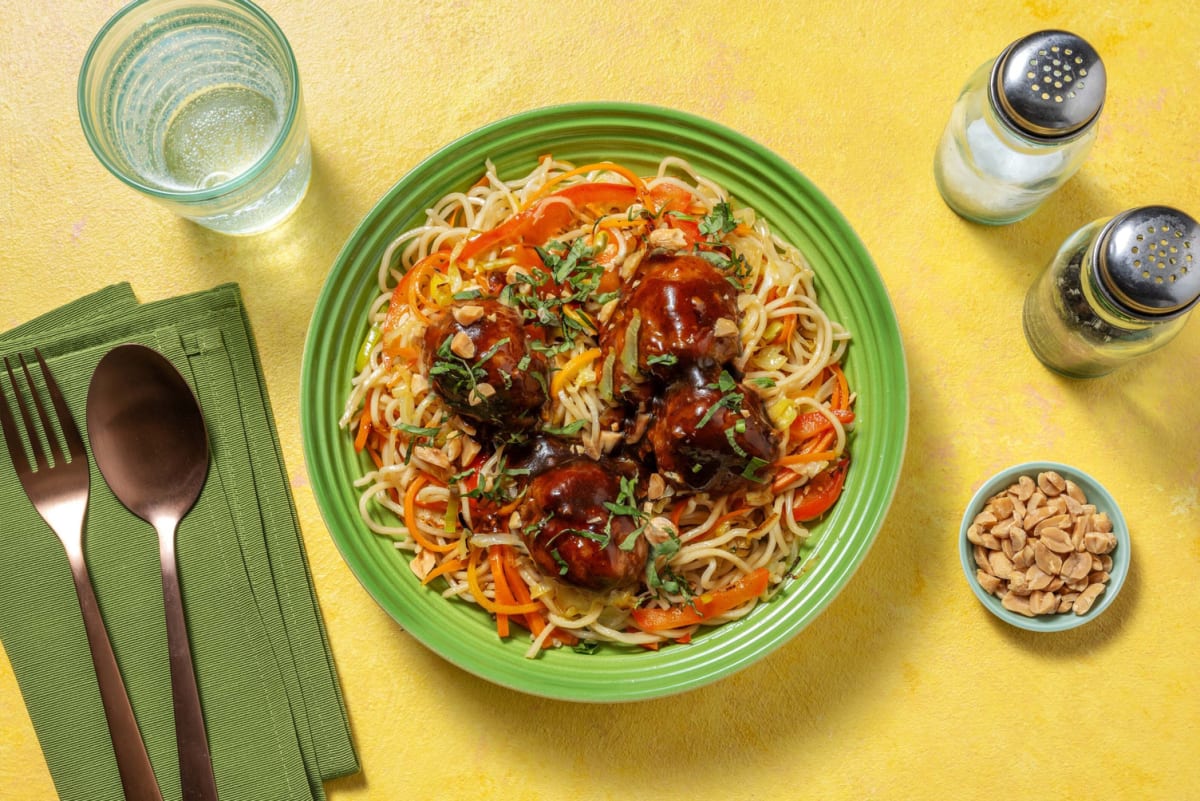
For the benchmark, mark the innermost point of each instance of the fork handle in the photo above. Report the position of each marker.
(133, 763)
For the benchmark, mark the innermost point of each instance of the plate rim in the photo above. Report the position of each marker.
(749, 648)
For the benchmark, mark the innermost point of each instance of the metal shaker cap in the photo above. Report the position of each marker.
(1148, 261)
(1049, 85)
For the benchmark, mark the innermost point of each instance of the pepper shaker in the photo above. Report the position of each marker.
(1021, 127)
(1117, 289)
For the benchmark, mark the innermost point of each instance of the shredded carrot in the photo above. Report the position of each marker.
(410, 519)
(534, 621)
(810, 389)
(621, 222)
(725, 518)
(841, 389)
(572, 369)
(789, 328)
(416, 276)
(503, 595)
(520, 592)
(485, 602)
(677, 514)
(782, 479)
(373, 452)
(818, 442)
(638, 184)
(814, 456)
(449, 566)
(364, 428)
(404, 353)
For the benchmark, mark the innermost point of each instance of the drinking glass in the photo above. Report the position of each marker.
(197, 104)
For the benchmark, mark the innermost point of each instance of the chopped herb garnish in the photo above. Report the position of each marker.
(751, 471)
(731, 400)
(668, 359)
(625, 503)
(420, 431)
(601, 538)
(501, 487)
(570, 429)
(665, 579)
(725, 382)
(731, 436)
(458, 372)
(586, 647)
(492, 351)
(417, 435)
(718, 222)
(763, 382)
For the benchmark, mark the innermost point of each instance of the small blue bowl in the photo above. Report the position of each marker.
(1097, 495)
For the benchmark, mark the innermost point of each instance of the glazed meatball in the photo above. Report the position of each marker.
(682, 312)
(708, 433)
(479, 361)
(570, 532)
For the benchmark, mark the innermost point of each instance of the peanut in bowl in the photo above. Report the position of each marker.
(1044, 546)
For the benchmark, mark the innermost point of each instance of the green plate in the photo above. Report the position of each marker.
(848, 287)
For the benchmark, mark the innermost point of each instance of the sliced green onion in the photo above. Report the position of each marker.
(368, 345)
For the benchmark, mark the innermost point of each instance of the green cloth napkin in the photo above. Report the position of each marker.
(273, 707)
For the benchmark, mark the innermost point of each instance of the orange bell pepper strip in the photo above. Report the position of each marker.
(706, 606)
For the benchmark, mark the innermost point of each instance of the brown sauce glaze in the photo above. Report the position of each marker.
(710, 434)
(573, 535)
(480, 362)
(682, 312)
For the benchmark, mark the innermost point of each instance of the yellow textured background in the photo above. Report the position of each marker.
(905, 688)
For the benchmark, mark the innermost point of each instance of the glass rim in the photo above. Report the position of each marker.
(188, 196)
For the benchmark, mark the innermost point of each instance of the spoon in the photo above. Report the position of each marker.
(149, 440)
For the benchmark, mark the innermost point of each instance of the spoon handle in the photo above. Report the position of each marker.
(195, 761)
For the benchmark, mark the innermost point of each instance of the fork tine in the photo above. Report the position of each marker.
(11, 438)
(34, 441)
(65, 420)
(51, 437)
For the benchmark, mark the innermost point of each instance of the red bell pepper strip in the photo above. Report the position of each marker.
(666, 197)
(549, 216)
(706, 606)
(810, 424)
(820, 493)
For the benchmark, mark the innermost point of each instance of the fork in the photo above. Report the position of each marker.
(58, 487)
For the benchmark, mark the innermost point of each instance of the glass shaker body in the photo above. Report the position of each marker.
(1073, 325)
(988, 172)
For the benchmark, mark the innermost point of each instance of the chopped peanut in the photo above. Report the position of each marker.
(1041, 548)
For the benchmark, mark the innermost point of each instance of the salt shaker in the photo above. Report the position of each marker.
(1021, 127)
(1118, 288)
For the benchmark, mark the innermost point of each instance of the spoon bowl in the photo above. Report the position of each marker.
(151, 445)
(147, 433)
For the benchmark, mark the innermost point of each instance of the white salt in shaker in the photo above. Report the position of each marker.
(1021, 127)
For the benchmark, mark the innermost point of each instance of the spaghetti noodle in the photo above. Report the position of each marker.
(523, 312)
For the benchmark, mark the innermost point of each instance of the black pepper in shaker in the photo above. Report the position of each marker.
(1117, 289)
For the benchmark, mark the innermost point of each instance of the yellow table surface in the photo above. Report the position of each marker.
(905, 688)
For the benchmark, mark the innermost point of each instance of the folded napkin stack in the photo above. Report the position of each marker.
(273, 708)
